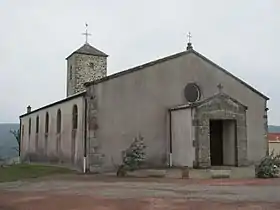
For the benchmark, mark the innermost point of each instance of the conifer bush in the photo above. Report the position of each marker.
(269, 166)
(133, 156)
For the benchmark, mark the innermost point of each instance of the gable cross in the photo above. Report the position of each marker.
(220, 87)
(189, 37)
(86, 34)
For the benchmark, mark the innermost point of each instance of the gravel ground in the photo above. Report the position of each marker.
(103, 193)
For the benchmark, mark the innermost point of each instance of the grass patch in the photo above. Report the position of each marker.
(25, 171)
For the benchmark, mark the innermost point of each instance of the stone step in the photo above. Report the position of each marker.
(176, 173)
(220, 174)
(148, 173)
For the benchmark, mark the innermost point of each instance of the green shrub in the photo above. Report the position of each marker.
(133, 156)
(269, 166)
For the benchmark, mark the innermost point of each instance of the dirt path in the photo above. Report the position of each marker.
(111, 194)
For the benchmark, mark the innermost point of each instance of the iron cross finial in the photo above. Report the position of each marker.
(220, 87)
(189, 37)
(86, 34)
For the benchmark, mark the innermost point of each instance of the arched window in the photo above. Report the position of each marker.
(58, 121)
(37, 124)
(47, 123)
(29, 127)
(75, 117)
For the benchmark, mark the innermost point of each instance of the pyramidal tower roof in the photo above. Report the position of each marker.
(87, 49)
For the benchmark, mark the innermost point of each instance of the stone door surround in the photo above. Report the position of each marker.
(218, 107)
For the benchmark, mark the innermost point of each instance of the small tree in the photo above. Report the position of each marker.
(133, 156)
(16, 134)
(1, 160)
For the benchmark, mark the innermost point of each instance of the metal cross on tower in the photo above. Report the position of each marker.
(86, 33)
(189, 37)
(189, 46)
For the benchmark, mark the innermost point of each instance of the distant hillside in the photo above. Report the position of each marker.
(7, 140)
(274, 129)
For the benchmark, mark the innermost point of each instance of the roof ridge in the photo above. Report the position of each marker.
(230, 74)
(136, 68)
(56, 102)
(171, 57)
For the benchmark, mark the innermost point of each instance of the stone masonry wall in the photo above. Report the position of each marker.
(85, 68)
(95, 156)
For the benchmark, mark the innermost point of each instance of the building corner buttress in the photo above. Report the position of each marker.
(94, 155)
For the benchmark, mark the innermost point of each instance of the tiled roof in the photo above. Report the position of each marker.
(76, 95)
(87, 49)
(273, 137)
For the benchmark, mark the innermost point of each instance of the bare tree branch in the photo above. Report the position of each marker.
(16, 134)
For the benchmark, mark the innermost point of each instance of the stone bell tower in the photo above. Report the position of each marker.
(84, 65)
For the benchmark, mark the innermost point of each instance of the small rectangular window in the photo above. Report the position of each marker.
(91, 65)
(70, 72)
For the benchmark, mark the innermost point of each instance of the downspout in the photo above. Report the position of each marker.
(20, 140)
(170, 139)
(194, 139)
(85, 138)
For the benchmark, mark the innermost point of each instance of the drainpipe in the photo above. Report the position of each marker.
(85, 138)
(20, 139)
(170, 139)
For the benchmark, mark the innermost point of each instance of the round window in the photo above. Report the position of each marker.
(192, 92)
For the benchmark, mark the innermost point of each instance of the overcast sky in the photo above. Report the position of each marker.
(37, 36)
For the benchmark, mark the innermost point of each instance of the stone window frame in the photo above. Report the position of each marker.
(91, 65)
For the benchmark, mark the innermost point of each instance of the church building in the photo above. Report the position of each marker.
(190, 112)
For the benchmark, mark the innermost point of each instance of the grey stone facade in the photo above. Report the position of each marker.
(219, 107)
(82, 68)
